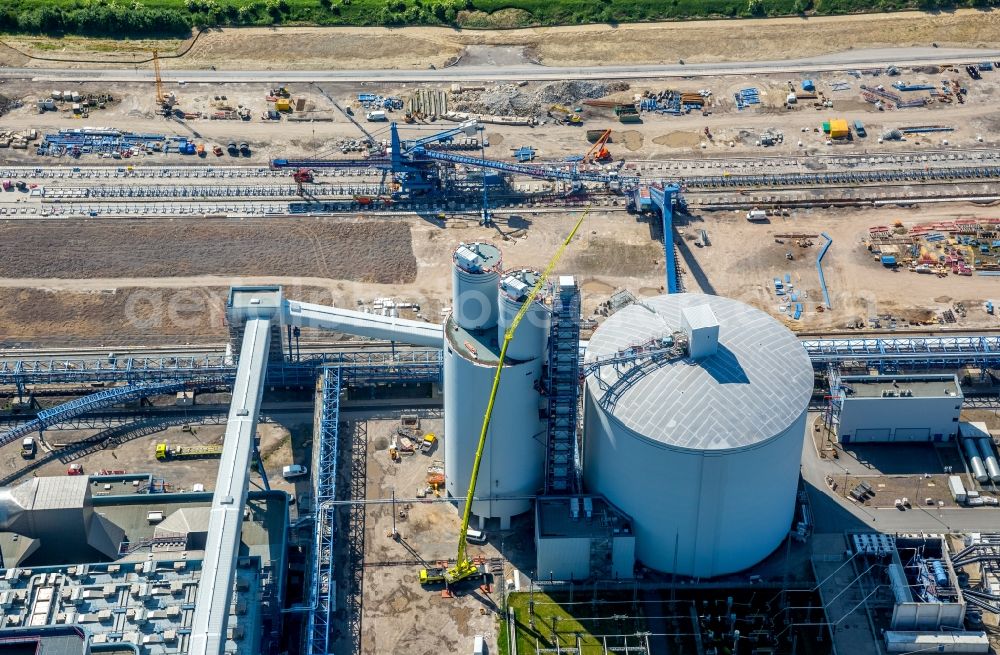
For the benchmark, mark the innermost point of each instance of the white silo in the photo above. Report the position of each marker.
(475, 275)
(703, 453)
(533, 331)
(512, 467)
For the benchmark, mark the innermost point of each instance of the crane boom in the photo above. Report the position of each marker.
(598, 150)
(160, 97)
(463, 567)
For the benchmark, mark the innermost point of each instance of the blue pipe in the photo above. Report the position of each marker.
(819, 269)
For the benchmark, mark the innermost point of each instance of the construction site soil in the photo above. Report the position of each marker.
(613, 250)
(418, 47)
(337, 249)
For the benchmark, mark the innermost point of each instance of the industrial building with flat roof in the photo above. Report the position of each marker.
(582, 538)
(140, 595)
(883, 408)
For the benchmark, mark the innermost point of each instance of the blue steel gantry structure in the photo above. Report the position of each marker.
(415, 165)
(662, 198)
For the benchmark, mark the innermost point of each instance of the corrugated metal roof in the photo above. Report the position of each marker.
(57, 492)
(756, 386)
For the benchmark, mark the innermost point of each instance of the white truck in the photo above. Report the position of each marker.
(376, 116)
(28, 448)
(756, 215)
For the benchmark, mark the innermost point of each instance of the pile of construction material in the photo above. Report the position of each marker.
(18, 140)
(674, 102)
(78, 103)
(8, 104)
(515, 100)
(112, 143)
(960, 247)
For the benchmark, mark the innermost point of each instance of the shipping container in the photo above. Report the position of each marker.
(957, 488)
(839, 129)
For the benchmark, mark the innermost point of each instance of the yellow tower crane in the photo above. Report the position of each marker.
(464, 567)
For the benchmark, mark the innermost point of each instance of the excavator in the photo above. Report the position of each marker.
(565, 114)
(464, 567)
(599, 151)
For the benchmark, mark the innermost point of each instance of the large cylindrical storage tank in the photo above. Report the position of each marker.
(533, 330)
(989, 459)
(475, 276)
(702, 454)
(975, 460)
(513, 460)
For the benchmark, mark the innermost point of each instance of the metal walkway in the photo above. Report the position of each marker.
(886, 353)
(563, 389)
(322, 599)
(662, 197)
(890, 354)
(847, 178)
(136, 370)
(101, 399)
(225, 522)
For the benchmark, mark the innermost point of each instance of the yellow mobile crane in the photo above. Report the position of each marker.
(464, 567)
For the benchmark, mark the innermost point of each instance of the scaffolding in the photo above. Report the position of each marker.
(563, 389)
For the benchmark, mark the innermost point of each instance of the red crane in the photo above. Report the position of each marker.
(599, 151)
(302, 176)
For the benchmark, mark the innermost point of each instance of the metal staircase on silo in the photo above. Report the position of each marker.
(562, 388)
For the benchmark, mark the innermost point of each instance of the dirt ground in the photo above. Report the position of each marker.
(613, 250)
(743, 260)
(137, 455)
(419, 47)
(338, 249)
(399, 615)
(659, 138)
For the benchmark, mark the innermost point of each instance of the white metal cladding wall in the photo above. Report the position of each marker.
(623, 557)
(512, 462)
(899, 419)
(725, 510)
(927, 616)
(474, 298)
(532, 332)
(563, 558)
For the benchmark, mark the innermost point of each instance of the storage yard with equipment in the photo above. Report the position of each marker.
(687, 363)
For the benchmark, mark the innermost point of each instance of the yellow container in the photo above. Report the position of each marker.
(839, 129)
